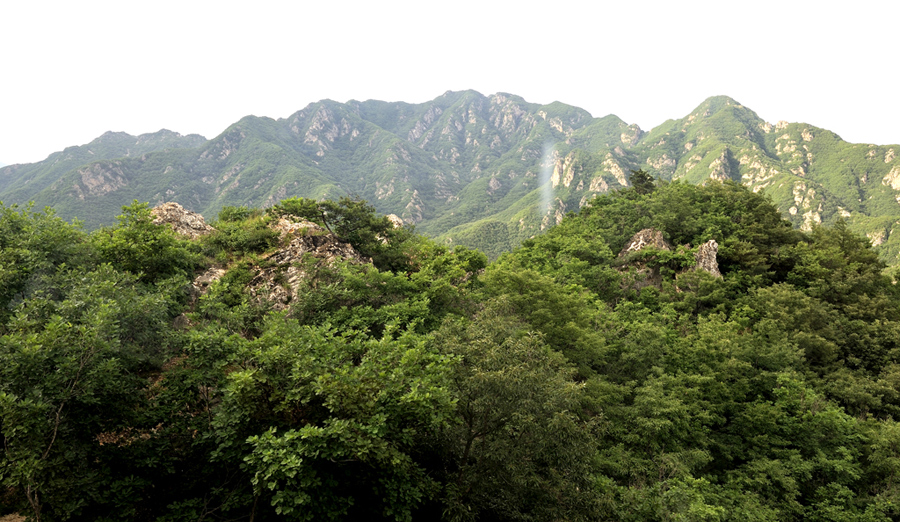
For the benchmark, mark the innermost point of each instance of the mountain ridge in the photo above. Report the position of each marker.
(471, 169)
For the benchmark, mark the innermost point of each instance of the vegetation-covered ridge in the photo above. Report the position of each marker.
(474, 170)
(145, 376)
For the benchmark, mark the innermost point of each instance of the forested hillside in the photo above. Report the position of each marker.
(473, 170)
(313, 361)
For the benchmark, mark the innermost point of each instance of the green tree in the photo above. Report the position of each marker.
(239, 231)
(570, 319)
(517, 449)
(33, 246)
(138, 245)
(69, 370)
(641, 182)
(327, 424)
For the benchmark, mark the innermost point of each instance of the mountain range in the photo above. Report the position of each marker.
(482, 171)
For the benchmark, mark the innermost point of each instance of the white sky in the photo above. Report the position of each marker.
(72, 70)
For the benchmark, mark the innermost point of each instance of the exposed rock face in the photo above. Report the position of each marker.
(706, 258)
(631, 135)
(644, 275)
(201, 283)
(310, 247)
(643, 239)
(184, 222)
(100, 178)
(199, 287)
(720, 169)
(292, 228)
(893, 177)
(395, 219)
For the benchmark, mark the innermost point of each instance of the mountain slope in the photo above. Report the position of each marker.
(484, 171)
(811, 174)
(24, 181)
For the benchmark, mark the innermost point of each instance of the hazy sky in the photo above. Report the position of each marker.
(72, 70)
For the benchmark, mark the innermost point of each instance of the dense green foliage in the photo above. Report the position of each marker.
(431, 385)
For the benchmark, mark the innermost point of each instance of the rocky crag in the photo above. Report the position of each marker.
(308, 247)
(639, 257)
(277, 280)
(184, 222)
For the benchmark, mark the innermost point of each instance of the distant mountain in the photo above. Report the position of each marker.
(485, 171)
(45, 182)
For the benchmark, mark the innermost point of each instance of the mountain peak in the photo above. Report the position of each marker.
(722, 99)
(113, 134)
(450, 98)
(714, 104)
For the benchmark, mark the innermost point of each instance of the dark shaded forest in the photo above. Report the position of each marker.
(420, 382)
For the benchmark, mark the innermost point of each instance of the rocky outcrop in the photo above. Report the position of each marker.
(288, 228)
(395, 219)
(706, 258)
(201, 283)
(644, 274)
(721, 168)
(184, 222)
(649, 237)
(310, 247)
(199, 287)
(892, 178)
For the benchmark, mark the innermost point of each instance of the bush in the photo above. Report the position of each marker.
(240, 231)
